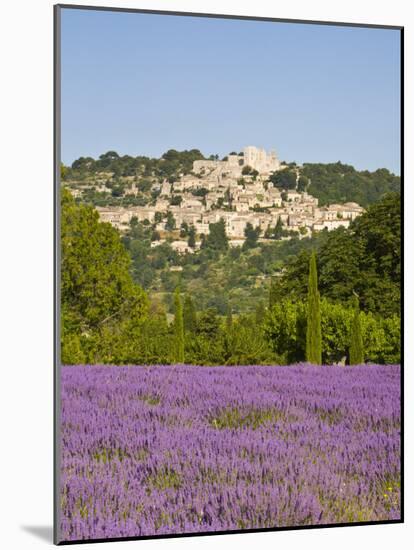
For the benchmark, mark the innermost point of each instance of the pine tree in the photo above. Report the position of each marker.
(178, 328)
(313, 328)
(189, 315)
(356, 347)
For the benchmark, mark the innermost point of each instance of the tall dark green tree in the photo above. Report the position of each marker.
(203, 241)
(190, 315)
(278, 231)
(303, 182)
(192, 237)
(217, 238)
(356, 347)
(178, 328)
(252, 235)
(313, 327)
(170, 223)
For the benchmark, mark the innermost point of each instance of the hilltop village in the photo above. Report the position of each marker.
(240, 189)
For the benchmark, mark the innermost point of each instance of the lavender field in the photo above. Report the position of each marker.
(181, 449)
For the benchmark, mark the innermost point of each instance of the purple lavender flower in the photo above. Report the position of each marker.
(182, 449)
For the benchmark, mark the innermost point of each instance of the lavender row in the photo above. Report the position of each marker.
(180, 449)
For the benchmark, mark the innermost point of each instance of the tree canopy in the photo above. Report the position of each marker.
(337, 182)
(119, 298)
(217, 238)
(97, 290)
(364, 259)
(284, 179)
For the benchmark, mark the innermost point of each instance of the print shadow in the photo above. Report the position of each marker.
(43, 532)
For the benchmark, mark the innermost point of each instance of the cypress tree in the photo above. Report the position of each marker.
(170, 223)
(278, 230)
(356, 347)
(252, 236)
(178, 328)
(313, 328)
(230, 337)
(190, 315)
(217, 237)
(191, 237)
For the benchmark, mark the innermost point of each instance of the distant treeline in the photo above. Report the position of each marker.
(170, 165)
(337, 182)
(108, 318)
(330, 183)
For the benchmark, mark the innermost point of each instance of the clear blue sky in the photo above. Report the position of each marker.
(141, 84)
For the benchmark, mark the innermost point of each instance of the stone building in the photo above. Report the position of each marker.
(237, 198)
(256, 158)
(260, 160)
